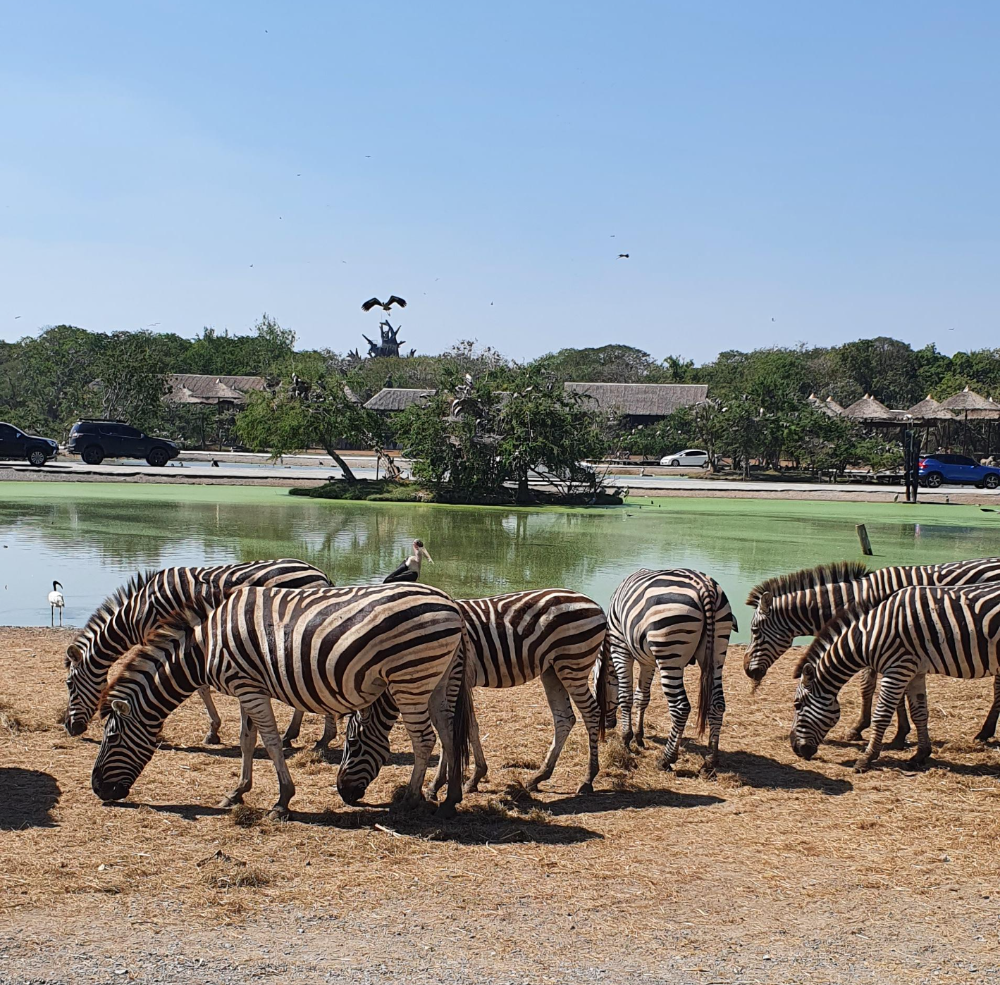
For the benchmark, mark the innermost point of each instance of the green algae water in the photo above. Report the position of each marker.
(93, 536)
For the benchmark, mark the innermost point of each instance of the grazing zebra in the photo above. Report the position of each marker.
(802, 603)
(130, 615)
(329, 651)
(915, 632)
(669, 619)
(550, 633)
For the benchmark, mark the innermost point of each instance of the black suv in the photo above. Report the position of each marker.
(14, 443)
(94, 441)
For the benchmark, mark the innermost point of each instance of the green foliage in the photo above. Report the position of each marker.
(607, 364)
(132, 381)
(376, 491)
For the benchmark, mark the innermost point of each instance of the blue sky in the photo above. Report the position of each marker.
(779, 172)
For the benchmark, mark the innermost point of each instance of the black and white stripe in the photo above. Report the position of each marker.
(802, 603)
(328, 651)
(133, 613)
(669, 619)
(915, 632)
(554, 634)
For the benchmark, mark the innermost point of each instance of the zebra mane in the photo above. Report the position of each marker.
(118, 598)
(830, 633)
(179, 624)
(822, 574)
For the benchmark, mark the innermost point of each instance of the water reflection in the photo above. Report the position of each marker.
(91, 543)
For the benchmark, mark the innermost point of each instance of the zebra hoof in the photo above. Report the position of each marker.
(855, 735)
(919, 760)
(863, 765)
(585, 789)
(230, 800)
(640, 742)
(471, 786)
(709, 768)
(983, 737)
(279, 813)
(446, 810)
(212, 739)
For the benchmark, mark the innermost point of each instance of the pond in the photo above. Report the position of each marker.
(93, 536)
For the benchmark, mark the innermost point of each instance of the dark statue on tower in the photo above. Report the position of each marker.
(389, 346)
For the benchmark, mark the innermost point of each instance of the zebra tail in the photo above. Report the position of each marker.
(601, 684)
(708, 601)
(462, 719)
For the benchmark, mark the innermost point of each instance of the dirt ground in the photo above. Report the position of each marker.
(774, 871)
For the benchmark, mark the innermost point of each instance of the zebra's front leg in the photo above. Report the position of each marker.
(890, 692)
(868, 684)
(916, 694)
(563, 720)
(715, 716)
(902, 726)
(248, 744)
(257, 708)
(672, 681)
(989, 728)
(214, 718)
(329, 734)
(643, 689)
(293, 730)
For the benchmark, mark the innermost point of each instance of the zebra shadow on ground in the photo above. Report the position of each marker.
(902, 764)
(27, 798)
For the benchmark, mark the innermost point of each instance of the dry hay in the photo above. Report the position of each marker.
(807, 862)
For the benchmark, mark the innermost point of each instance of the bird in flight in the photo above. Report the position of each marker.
(16, 317)
(622, 256)
(375, 303)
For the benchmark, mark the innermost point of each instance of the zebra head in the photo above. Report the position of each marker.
(816, 712)
(128, 744)
(769, 639)
(366, 747)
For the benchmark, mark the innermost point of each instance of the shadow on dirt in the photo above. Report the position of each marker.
(27, 798)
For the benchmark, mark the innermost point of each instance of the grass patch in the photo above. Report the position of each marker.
(222, 871)
(373, 490)
(246, 817)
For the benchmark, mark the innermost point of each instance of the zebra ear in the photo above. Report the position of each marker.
(74, 653)
(806, 671)
(121, 706)
(764, 605)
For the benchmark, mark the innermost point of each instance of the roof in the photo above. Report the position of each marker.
(869, 409)
(197, 388)
(970, 402)
(639, 399)
(830, 407)
(397, 398)
(931, 410)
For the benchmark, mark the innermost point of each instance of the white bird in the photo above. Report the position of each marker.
(56, 601)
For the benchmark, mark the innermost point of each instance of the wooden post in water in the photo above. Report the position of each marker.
(866, 544)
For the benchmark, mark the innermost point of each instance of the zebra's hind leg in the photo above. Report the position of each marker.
(890, 692)
(563, 720)
(672, 681)
(989, 728)
(623, 671)
(590, 712)
(643, 690)
(481, 768)
(214, 718)
(293, 730)
(329, 734)
(868, 683)
(715, 716)
(248, 744)
(258, 709)
(902, 726)
(917, 695)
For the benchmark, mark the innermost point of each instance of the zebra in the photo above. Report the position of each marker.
(552, 633)
(329, 651)
(917, 631)
(669, 619)
(803, 602)
(129, 616)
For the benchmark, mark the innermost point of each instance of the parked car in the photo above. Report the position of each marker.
(692, 457)
(935, 470)
(15, 443)
(94, 441)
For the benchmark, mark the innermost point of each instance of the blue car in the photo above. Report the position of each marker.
(935, 470)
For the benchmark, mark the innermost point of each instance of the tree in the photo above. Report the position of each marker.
(132, 379)
(607, 364)
(883, 367)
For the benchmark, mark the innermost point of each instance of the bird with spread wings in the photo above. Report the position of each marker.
(375, 303)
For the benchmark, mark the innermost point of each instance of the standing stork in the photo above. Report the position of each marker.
(409, 570)
(56, 601)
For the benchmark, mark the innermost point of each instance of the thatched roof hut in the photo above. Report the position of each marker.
(830, 407)
(197, 388)
(930, 410)
(971, 406)
(650, 401)
(868, 410)
(390, 400)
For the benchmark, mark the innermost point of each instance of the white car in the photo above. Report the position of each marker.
(693, 458)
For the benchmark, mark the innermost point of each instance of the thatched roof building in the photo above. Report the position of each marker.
(930, 410)
(871, 411)
(195, 388)
(390, 400)
(970, 406)
(830, 407)
(640, 403)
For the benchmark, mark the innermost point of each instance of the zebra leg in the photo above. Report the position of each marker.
(214, 719)
(715, 716)
(417, 722)
(329, 734)
(902, 726)
(248, 744)
(589, 710)
(868, 682)
(441, 711)
(890, 692)
(916, 693)
(293, 730)
(672, 681)
(481, 768)
(989, 728)
(623, 671)
(563, 720)
(643, 690)
(258, 709)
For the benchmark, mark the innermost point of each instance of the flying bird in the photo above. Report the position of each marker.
(375, 303)
(16, 317)
(56, 601)
(622, 256)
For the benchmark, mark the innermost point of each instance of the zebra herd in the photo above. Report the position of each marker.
(279, 630)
